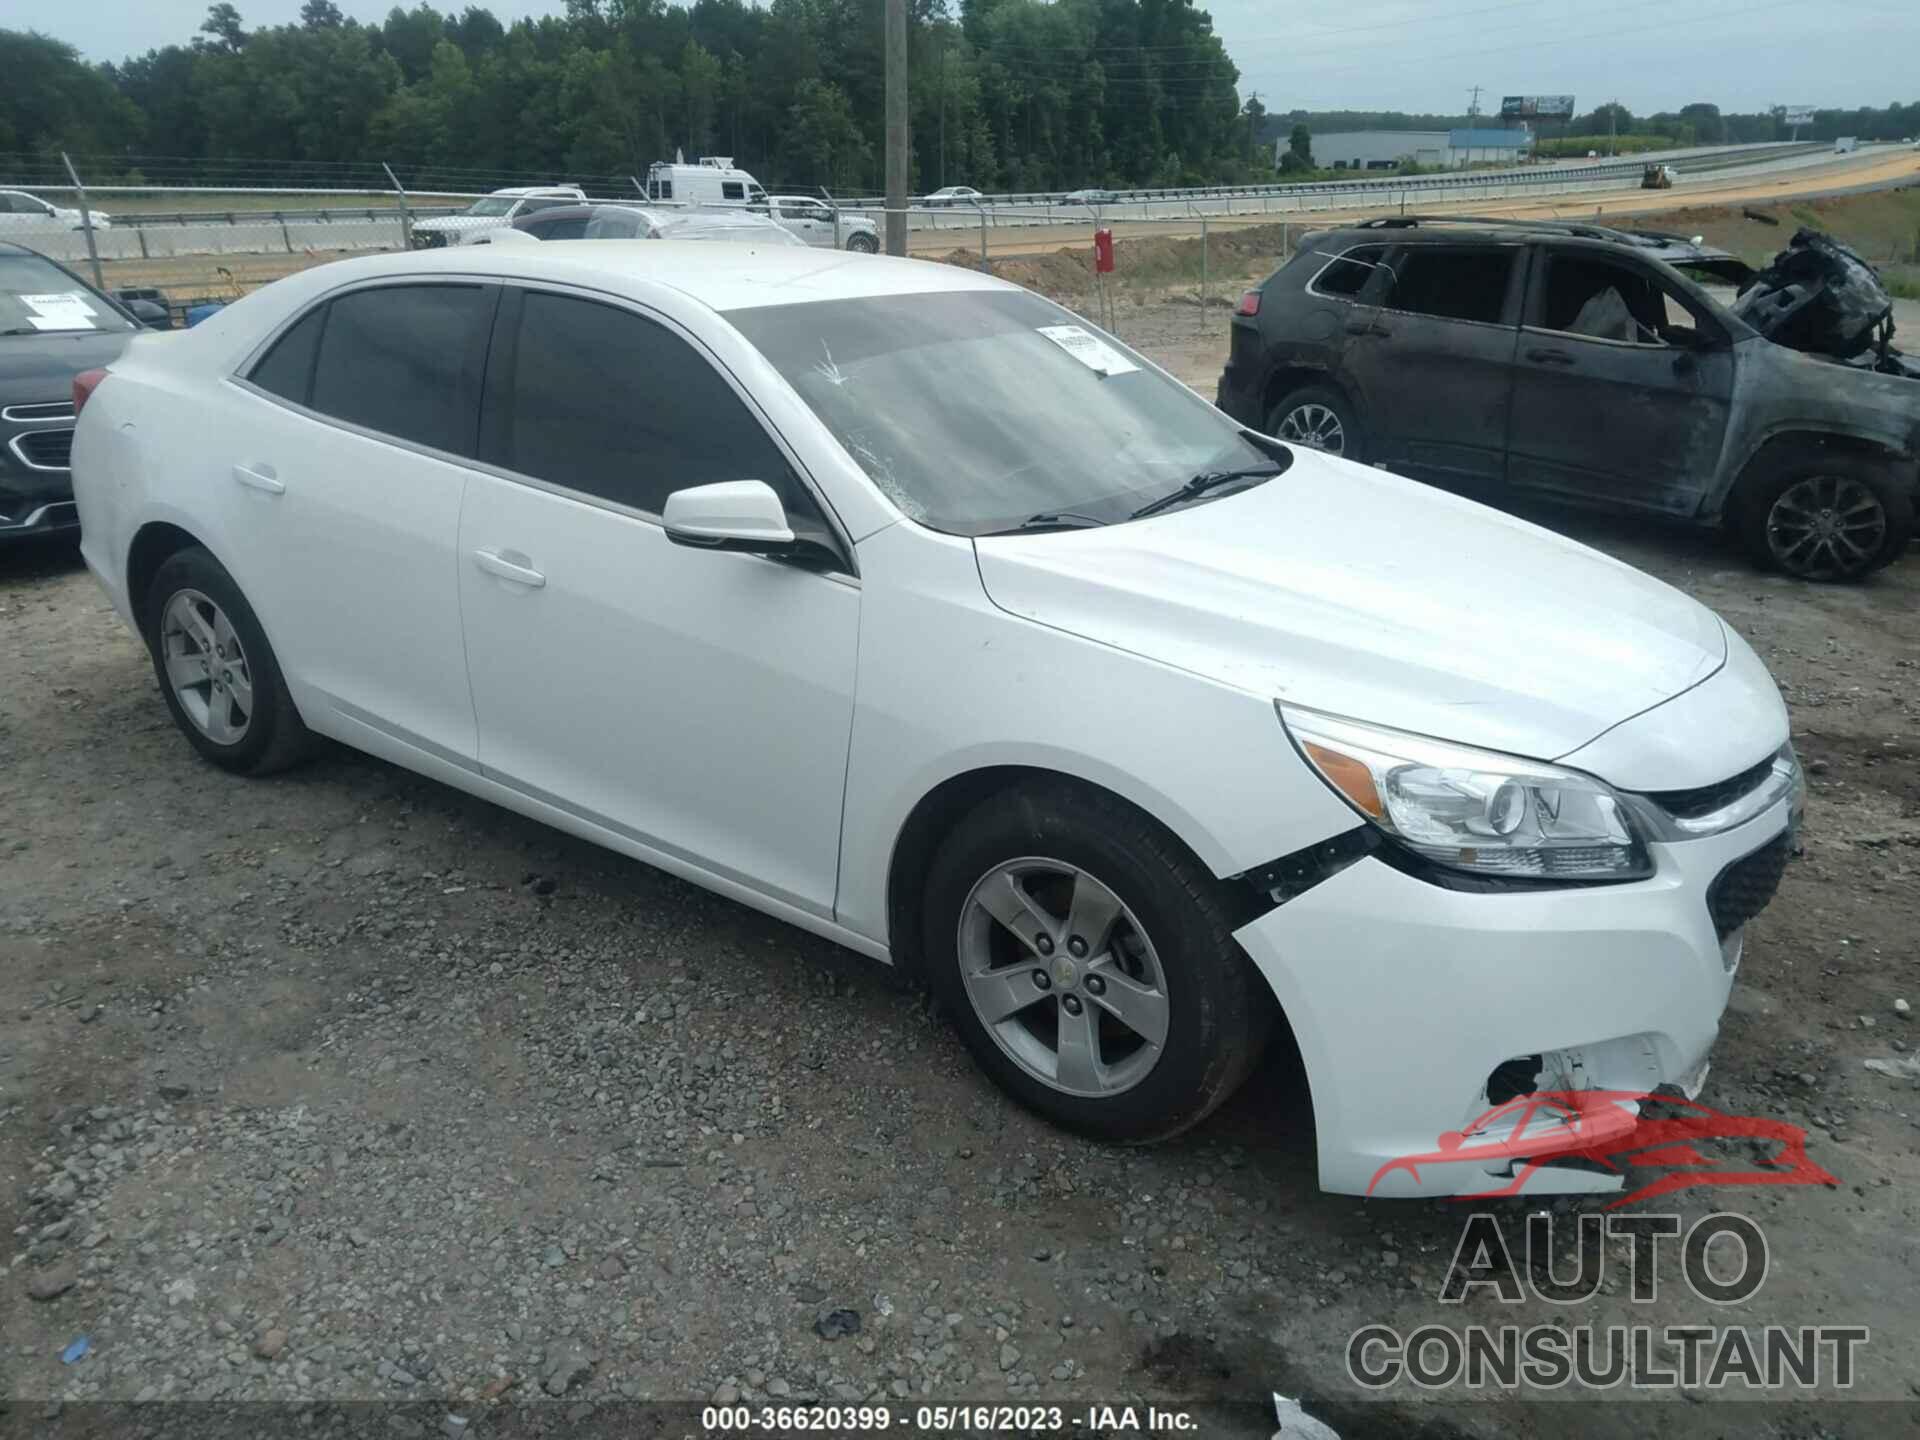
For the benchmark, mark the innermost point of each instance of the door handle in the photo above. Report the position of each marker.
(496, 563)
(259, 477)
(1550, 357)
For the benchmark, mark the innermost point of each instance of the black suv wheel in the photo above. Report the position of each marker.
(1824, 517)
(1320, 418)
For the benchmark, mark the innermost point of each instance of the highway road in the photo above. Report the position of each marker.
(1750, 185)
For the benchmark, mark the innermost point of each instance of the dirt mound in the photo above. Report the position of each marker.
(1152, 263)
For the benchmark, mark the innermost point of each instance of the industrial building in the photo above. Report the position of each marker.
(1436, 149)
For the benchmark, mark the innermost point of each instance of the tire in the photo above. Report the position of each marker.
(863, 244)
(1823, 517)
(257, 737)
(1168, 934)
(1323, 411)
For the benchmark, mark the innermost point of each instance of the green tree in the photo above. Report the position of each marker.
(320, 15)
(223, 29)
(1299, 149)
(824, 144)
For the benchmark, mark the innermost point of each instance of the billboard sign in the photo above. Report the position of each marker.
(1799, 115)
(1537, 107)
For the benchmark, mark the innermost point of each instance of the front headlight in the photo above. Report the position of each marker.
(1473, 810)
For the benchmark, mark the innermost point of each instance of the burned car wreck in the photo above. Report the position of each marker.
(1593, 366)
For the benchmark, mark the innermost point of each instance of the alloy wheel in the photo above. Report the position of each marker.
(1316, 426)
(1063, 977)
(1826, 525)
(207, 667)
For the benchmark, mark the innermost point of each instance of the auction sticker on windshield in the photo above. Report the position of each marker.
(66, 311)
(1089, 349)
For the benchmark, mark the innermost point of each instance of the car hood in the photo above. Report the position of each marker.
(1348, 590)
(37, 369)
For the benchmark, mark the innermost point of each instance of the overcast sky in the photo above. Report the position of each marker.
(1416, 55)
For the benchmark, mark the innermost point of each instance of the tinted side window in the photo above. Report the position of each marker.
(1603, 300)
(287, 369)
(732, 190)
(604, 402)
(1349, 274)
(574, 229)
(406, 360)
(1452, 284)
(614, 225)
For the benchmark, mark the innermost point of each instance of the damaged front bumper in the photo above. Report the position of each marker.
(1418, 1009)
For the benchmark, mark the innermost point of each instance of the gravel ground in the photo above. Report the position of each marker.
(345, 1086)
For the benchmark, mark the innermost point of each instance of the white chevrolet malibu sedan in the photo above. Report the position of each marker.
(901, 604)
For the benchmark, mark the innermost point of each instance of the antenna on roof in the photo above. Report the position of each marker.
(679, 156)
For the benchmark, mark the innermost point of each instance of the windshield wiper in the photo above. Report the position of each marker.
(1203, 482)
(1051, 520)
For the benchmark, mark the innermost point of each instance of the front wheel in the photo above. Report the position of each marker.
(1836, 517)
(863, 244)
(1319, 418)
(1089, 964)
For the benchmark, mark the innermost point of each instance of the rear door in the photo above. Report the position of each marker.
(345, 451)
(1431, 348)
(1623, 388)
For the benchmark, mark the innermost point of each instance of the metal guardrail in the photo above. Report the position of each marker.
(1689, 160)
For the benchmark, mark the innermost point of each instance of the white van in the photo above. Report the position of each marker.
(714, 181)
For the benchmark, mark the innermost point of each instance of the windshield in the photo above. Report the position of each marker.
(492, 205)
(37, 296)
(974, 411)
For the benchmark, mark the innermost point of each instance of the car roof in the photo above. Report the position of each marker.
(1658, 244)
(721, 277)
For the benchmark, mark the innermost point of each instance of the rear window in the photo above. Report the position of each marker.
(406, 360)
(1347, 276)
(287, 369)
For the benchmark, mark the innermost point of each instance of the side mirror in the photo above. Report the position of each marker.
(730, 515)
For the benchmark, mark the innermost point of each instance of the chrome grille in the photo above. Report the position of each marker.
(44, 449)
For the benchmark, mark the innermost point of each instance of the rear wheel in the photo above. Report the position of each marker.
(1833, 517)
(863, 244)
(1319, 418)
(1089, 964)
(217, 672)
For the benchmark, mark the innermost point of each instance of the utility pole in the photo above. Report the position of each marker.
(1252, 100)
(1613, 129)
(897, 160)
(1473, 106)
(943, 107)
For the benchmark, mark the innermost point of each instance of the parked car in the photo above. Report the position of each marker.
(948, 195)
(901, 604)
(53, 325)
(634, 222)
(493, 212)
(22, 214)
(1580, 364)
(815, 223)
(715, 180)
(1087, 197)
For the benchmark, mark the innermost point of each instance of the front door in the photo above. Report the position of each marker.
(696, 702)
(1623, 386)
(1433, 360)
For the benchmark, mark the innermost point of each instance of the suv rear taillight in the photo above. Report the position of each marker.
(1249, 304)
(84, 384)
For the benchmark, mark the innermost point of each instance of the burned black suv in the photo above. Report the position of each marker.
(1593, 366)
